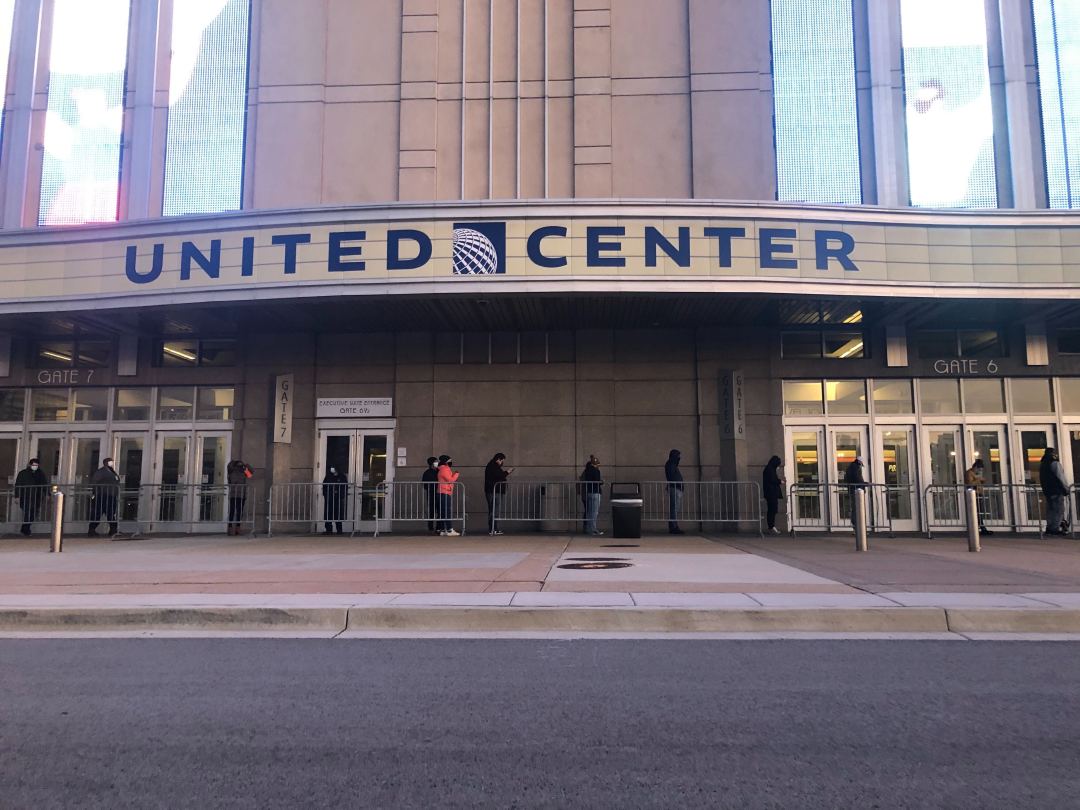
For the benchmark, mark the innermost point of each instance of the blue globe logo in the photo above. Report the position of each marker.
(474, 254)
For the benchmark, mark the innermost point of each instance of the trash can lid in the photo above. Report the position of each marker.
(628, 501)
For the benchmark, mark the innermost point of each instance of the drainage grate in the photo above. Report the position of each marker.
(621, 545)
(594, 566)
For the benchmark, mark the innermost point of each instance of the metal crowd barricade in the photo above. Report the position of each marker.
(32, 505)
(137, 509)
(1006, 507)
(304, 506)
(420, 502)
(545, 504)
(829, 507)
(210, 508)
(718, 502)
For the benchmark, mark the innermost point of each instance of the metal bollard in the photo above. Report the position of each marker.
(859, 505)
(971, 504)
(57, 521)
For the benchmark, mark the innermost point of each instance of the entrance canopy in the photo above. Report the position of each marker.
(543, 248)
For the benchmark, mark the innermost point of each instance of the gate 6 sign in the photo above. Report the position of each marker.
(970, 367)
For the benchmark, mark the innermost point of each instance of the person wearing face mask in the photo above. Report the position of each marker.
(31, 488)
(335, 499)
(106, 490)
(430, 479)
(238, 474)
(447, 478)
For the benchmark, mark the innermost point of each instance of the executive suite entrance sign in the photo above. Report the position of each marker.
(408, 248)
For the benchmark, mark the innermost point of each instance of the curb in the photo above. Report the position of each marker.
(173, 618)
(651, 620)
(558, 619)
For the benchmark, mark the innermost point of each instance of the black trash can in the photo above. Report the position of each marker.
(626, 509)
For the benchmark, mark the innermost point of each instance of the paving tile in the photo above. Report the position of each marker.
(704, 601)
(670, 567)
(486, 599)
(1067, 600)
(956, 600)
(818, 600)
(562, 599)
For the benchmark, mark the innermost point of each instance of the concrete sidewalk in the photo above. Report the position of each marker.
(520, 583)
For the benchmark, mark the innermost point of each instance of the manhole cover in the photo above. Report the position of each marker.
(621, 545)
(597, 559)
(594, 566)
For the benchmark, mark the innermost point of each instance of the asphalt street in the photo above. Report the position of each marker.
(507, 723)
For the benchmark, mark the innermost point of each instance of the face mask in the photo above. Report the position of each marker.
(333, 471)
(109, 464)
(33, 467)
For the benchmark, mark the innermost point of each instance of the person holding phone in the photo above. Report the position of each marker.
(495, 474)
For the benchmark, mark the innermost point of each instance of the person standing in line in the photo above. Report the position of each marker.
(31, 488)
(106, 490)
(772, 489)
(431, 480)
(973, 479)
(237, 474)
(447, 478)
(1055, 488)
(856, 480)
(335, 495)
(495, 474)
(593, 486)
(673, 475)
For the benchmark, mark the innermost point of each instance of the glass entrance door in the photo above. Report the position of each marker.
(362, 455)
(171, 499)
(943, 470)
(48, 448)
(845, 445)
(987, 443)
(9, 468)
(894, 467)
(129, 452)
(804, 469)
(1032, 441)
(86, 458)
(212, 451)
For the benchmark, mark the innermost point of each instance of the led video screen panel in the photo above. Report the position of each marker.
(817, 128)
(948, 111)
(1057, 46)
(204, 158)
(80, 173)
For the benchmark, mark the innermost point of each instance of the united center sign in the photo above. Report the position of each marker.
(403, 248)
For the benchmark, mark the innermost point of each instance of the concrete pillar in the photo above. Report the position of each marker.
(25, 39)
(135, 202)
(887, 92)
(1021, 100)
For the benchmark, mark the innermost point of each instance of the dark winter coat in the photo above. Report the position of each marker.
(236, 473)
(106, 482)
(771, 488)
(494, 474)
(1052, 477)
(30, 487)
(854, 476)
(335, 488)
(672, 473)
(593, 480)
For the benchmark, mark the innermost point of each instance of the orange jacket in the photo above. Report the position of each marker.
(447, 477)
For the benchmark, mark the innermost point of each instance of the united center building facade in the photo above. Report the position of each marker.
(361, 234)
